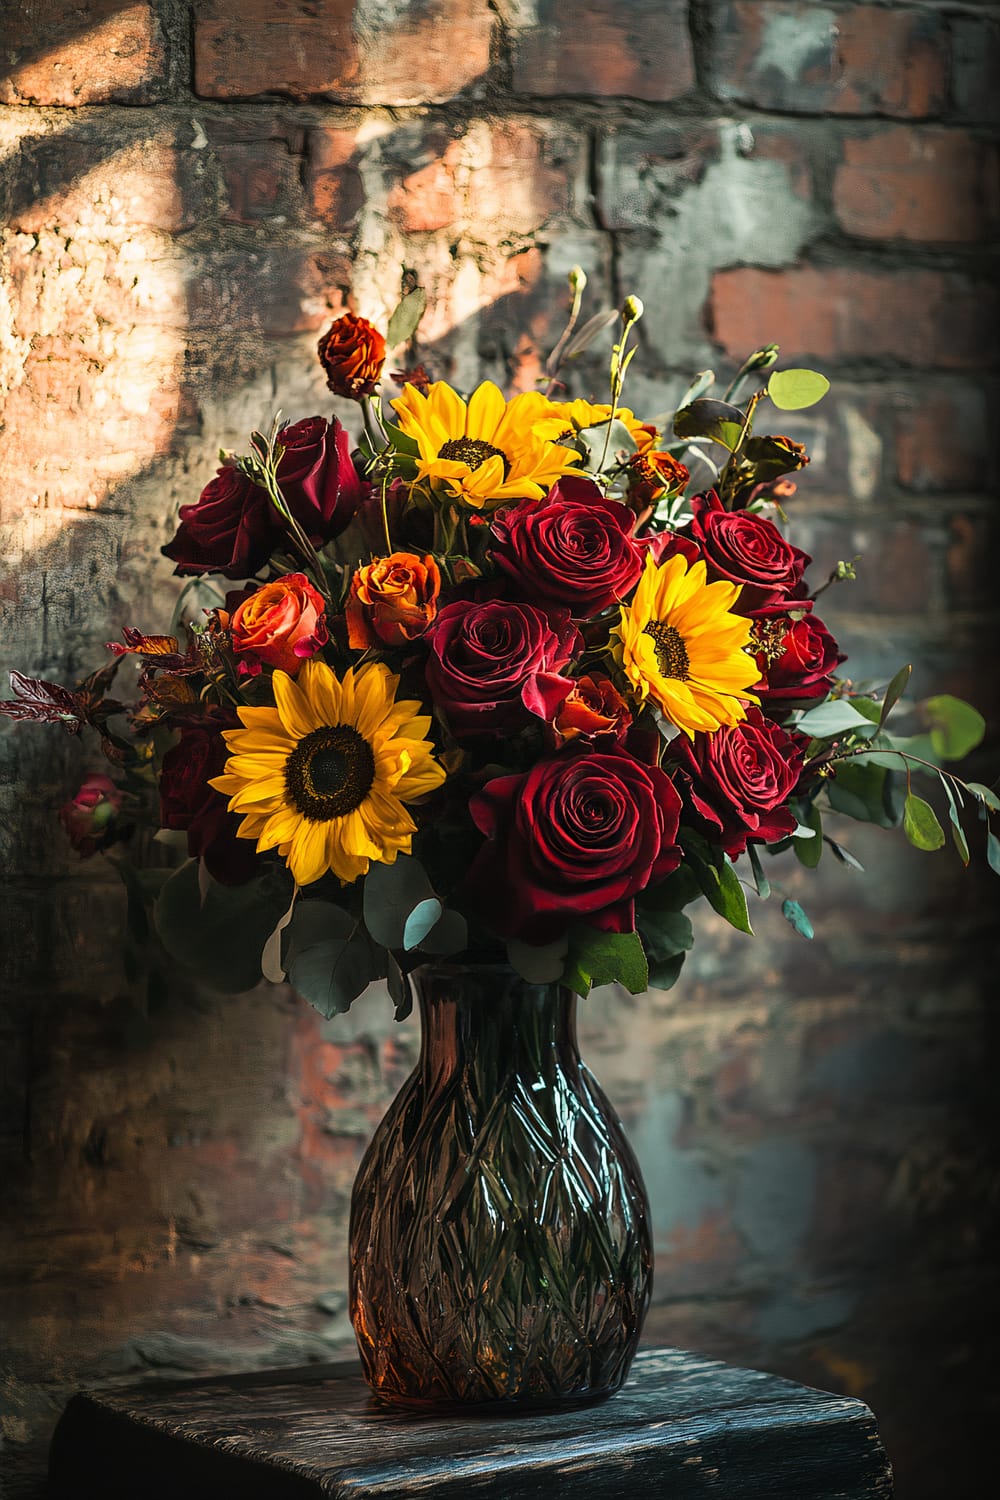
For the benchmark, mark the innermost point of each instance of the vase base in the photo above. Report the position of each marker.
(506, 1406)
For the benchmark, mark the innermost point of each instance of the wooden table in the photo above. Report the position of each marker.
(682, 1427)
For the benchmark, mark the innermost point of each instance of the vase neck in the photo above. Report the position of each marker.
(487, 1017)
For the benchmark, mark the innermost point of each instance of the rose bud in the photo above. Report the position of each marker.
(280, 625)
(188, 803)
(653, 475)
(91, 817)
(231, 530)
(317, 477)
(392, 600)
(592, 710)
(352, 353)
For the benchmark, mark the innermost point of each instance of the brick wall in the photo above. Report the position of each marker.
(191, 193)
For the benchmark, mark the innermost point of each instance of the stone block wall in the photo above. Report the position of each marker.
(190, 193)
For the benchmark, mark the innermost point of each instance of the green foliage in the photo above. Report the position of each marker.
(718, 881)
(403, 323)
(837, 717)
(893, 693)
(391, 893)
(956, 727)
(328, 956)
(920, 823)
(793, 912)
(808, 852)
(794, 390)
(538, 963)
(605, 958)
(864, 791)
(718, 420)
(220, 930)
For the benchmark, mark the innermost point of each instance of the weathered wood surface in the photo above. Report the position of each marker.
(683, 1426)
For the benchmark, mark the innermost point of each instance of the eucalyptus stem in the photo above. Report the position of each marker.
(620, 360)
(577, 281)
(374, 429)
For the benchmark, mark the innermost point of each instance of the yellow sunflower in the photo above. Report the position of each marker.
(323, 776)
(680, 645)
(486, 453)
(564, 419)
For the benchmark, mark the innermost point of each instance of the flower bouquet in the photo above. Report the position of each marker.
(493, 687)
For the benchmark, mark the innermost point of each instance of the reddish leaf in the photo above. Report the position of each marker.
(43, 702)
(160, 652)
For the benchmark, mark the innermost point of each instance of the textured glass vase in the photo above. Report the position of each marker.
(500, 1246)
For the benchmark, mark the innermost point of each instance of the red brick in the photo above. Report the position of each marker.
(91, 52)
(261, 180)
(816, 60)
(971, 569)
(333, 180)
(636, 49)
(494, 181)
(835, 313)
(926, 184)
(319, 49)
(941, 440)
(975, 45)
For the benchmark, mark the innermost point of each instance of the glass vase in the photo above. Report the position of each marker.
(500, 1244)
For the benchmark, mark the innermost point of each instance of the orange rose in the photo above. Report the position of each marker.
(352, 353)
(392, 600)
(281, 625)
(593, 708)
(652, 475)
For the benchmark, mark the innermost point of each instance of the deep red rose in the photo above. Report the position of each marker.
(231, 530)
(748, 550)
(317, 477)
(187, 802)
(579, 835)
(494, 663)
(352, 352)
(738, 779)
(796, 656)
(91, 818)
(573, 549)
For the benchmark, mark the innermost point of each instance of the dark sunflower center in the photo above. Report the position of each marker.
(671, 652)
(474, 452)
(330, 772)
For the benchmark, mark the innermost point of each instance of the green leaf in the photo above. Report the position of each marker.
(448, 936)
(793, 912)
(403, 323)
(314, 922)
(760, 880)
(664, 973)
(808, 852)
(793, 390)
(421, 921)
(956, 727)
(957, 831)
(665, 932)
(836, 717)
(221, 937)
(894, 692)
(844, 855)
(401, 441)
(391, 892)
(399, 986)
(718, 420)
(538, 963)
(863, 792)
(722, 886)
(594, 439)
(993, 852)
(920, 824)
(984, 794)
(592, 329)
(332, 974)
(701, 383)
(605, 958)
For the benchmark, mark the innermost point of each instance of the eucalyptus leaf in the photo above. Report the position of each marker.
(957, 831)
(993, 852)
(315, 922)
(844, 855)
(984, 794)
(794, 913)
(332, 974)
(836, 717)
(894, 692)
(390, 894)
(718, 420)
(592, 329)
(701, 383)
(794, 390)
(403, 323)
(422, 920)
(400, 987)
(863, 792)
(221, 937)
(760, 880)
(595, 438)
(920, 824)
(808, 852)
(956, 727)
(271, 963)
(538, 963)
(448, 936)
(664, 973)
